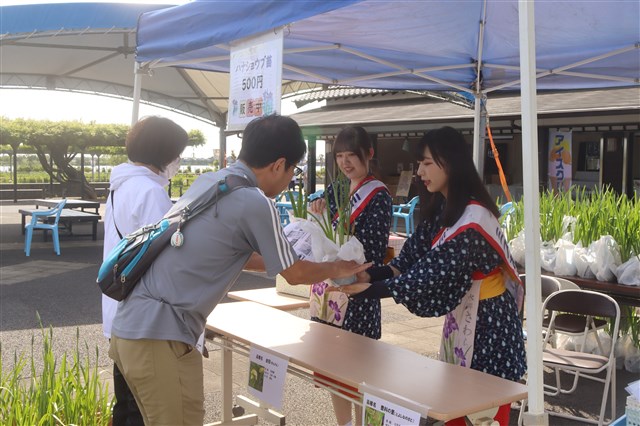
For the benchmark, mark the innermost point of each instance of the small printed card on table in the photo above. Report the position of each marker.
(266, 376)
(379, 412)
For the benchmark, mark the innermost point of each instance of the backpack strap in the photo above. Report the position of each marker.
(203, 201)
(113, 214)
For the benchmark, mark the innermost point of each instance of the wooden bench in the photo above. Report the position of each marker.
(22, 194)
(67, 218)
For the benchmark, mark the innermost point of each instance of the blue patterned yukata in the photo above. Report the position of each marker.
(363, 316)
(433, 282)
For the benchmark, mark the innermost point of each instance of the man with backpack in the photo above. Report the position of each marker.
(158, 324)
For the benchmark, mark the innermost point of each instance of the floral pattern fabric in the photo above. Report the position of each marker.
(434, 281)
(363, 316)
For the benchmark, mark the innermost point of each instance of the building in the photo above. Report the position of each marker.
(604, 127)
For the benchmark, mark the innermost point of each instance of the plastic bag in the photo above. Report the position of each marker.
(310, 242)
(564, 257)
(574, 343)
(516, 247)
(583, 259)
(547, 256)
(607, 258)
(591, 345)
(629, 272)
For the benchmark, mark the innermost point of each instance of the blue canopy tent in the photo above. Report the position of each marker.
(478, 46)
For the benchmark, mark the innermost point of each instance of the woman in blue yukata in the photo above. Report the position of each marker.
(457, 264)
(371, 208)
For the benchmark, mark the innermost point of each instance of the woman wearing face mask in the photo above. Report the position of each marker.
(371, 208)
(457, 264)
(137, 197)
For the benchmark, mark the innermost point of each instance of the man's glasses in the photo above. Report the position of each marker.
(297, 171)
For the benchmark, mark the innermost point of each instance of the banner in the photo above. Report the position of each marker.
(255, 78)
(559, 160)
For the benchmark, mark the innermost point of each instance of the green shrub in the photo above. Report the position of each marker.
(66, 391)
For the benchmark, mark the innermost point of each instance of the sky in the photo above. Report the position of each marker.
(58, 105)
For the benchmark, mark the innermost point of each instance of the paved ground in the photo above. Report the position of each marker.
(61, 292)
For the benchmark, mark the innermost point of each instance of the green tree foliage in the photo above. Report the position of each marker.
(56, 143)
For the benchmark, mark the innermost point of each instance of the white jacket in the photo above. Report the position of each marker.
(137, 198)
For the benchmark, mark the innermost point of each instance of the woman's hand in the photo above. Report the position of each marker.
(351, 289)
(363, 277)
(318, 206)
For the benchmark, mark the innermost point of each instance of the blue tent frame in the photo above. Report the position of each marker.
(479, 47)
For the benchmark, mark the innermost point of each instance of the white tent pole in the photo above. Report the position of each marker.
(535, 414)
(137, 87)
(477, 133)
(223, 146)
(478, 122)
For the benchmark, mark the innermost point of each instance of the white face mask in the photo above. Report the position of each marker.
(171, 169)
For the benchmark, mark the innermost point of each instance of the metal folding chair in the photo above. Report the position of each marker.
(586, 304)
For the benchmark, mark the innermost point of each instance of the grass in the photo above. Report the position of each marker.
(598, 213)
(64, 391)
(589, 216)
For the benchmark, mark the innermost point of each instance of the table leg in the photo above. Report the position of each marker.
(227, 384)
(94, 230)
(23, 223)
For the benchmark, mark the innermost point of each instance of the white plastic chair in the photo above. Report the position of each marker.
(37, 224)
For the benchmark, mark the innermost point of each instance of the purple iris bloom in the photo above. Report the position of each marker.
(318, 288)
(336, 310)
(450, 325)
(460, 355)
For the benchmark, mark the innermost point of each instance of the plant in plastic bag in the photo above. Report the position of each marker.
(341, 196)
(298, 203)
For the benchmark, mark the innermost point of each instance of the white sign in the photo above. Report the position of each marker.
(378, 412)
(266, 376)
(255, 78)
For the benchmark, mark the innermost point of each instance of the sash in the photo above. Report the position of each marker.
(458, 332)
(331, 307)
(361, 196)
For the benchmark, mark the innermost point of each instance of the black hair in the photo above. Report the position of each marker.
(266, 139)
(156, 141)
(450, 151)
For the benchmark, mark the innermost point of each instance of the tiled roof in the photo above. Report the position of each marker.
(421, 110)
(337, 92)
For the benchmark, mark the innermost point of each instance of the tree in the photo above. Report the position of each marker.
(63, 140)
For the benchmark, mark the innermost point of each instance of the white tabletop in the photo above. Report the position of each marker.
(270, 297)
(450, 391)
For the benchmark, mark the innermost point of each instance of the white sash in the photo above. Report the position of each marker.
(459, 329)
(363, 193)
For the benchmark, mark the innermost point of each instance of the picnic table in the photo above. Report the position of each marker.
(67, 218)
(70, 204)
